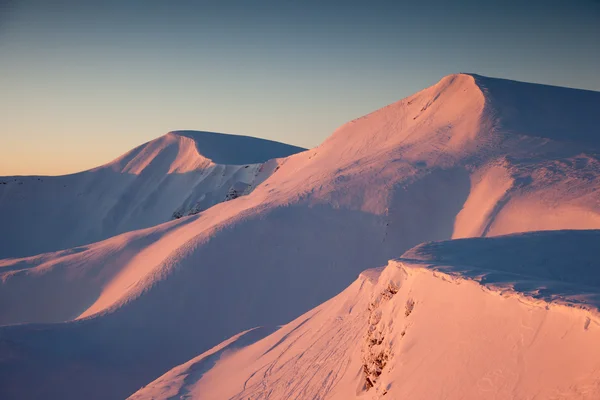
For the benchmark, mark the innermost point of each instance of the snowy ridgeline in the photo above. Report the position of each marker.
(423, 328)
(468, 157)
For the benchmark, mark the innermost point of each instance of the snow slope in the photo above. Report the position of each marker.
(179, 172)
(462, 319)
(455, 160)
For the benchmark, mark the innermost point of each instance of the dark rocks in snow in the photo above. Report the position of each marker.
(177, 214)
(237, 190)
(376, 352)
(390, 291)
(410, 304)
(232, 194)
(196, 208)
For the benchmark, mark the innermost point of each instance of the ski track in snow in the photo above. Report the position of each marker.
(306, 368)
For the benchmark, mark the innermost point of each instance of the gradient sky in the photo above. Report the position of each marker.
(82, 82)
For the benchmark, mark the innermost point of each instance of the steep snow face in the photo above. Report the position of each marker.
(466, 319)
(548, 112)
(171, 176)
(437, 165)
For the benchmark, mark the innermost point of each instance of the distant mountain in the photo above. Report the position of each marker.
(467, 157)
(177, 174)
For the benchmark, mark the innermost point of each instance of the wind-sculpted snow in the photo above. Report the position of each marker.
(554, 266)
(423, 328)
(443, 163)
(237, 149)
(550, 112)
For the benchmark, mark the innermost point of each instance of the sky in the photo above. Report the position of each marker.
(82, 82)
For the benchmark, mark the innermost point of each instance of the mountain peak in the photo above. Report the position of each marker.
(464, 113)
(183, 151)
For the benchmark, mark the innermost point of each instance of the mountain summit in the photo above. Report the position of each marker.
(185, 151)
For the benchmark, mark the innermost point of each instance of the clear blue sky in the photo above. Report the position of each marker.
(81, 81)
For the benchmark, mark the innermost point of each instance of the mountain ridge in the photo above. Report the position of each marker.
(197, 149)
(429, 311)
(433, 166)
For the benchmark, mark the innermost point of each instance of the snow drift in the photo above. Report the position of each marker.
(463, 158)
(179, 173)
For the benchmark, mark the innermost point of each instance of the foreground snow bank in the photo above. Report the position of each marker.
(426, 327)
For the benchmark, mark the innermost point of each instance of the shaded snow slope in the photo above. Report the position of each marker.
(554, 266)
(543, 111)
(432, 324)
(173, 175)
(437, 165)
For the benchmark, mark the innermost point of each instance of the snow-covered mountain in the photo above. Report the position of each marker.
(462, 319)
(179, 173)
(468, 157)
